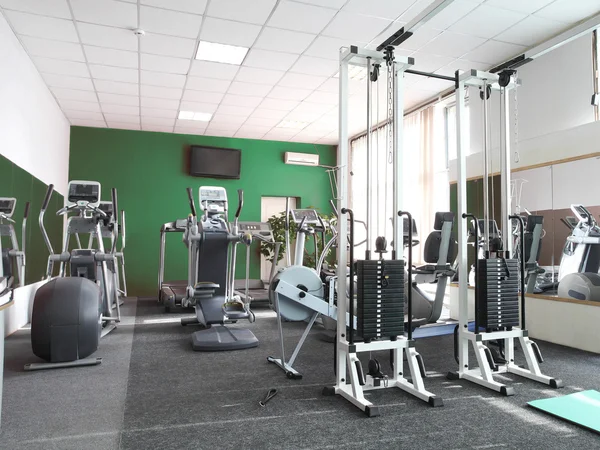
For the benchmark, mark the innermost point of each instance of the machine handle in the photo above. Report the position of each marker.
(240, 203)
(26, 214)
(191, 199)
(47, 198)
(115, 205)
(351, 331)
(24, 229)
(521, 222)
(410, 239)
(333, 207)
(302, 223)
(476, 229)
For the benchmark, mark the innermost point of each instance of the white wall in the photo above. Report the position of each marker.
(554, 116)
(34, 132)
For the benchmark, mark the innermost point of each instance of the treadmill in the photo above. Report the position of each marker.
(170, 293)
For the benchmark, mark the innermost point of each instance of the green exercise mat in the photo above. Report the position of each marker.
(581, 408)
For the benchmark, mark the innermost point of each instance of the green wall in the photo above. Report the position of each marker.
(20, 184)
(150, 173)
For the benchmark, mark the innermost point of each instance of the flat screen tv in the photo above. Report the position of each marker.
(214, 162)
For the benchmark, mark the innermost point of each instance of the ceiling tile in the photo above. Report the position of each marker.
(115, 87)
(569, 11)
(463, 65)
(65, 81)
(265, 59)
(249, 129)
(114, 73)
(110, 57)
(79, 106)
(325, 98)
(157, 128)
(528, 7)
(186, 130)
(241, 100)
(55, 66)
(283, 40)
(493, 52)
(355, 27)
(259, 76)
(158, 121)
(191, 124)
(235, 110)
(159, 103)
(430, 63)
(168, 45)
(330, 85)
(240, 88)
(219, 133)
(301, 17)
(487, 21)
(160, 92)
(287, 93)
(452, 14)
(106, 12)
(334, 4)
(202, 96)
(190, 6)
(307, 106)
(164, 113)
(315, 66)
(247, 133)
(83, 115)
(258, 121)
(208, 69)
(301, 81)
(115, 99)
(303, 116)
(123, 126)
(53, 49)
(452, 44)
(387, 9)
(52, 8)
(162, 79)
(416, 9)
(120, 109)
(74, 94)
(121, 118)
(419, 39)
(434, 85)
(328, 47)
(228, 32)
(109, 37)
(222, 119)
(88, 123)
(256, 11)
(281, 105)
(531, 30)
(169, 22)
(276, 114)
(207, 84)
(43, 27)
(164, 64)
(198, 107)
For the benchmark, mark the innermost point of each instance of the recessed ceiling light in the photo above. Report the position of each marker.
(191, 115)
(228, 54)
(292, 124)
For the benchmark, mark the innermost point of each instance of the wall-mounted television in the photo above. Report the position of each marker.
(215, 162)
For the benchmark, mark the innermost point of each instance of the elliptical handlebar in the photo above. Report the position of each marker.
(26, 214)
(192, 203)
(240, 203)
(24, 228)
(115, 205)
(41, 218)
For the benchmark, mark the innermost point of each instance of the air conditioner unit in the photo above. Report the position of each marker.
(301, 159)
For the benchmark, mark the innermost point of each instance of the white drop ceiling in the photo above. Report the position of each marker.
(102, 75)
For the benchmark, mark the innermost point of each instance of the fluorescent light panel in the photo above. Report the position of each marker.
(191, 115)
(221, 53)
(292, 124)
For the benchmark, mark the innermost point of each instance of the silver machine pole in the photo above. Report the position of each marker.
(486, 172)
(288, 255)
(369, 183)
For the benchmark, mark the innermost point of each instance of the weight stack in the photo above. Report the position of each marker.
(380, 299)
(498, 293)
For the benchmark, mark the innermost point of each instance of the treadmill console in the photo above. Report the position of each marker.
(7, 206)
(312, 218)
(82, 193)
(262, 229)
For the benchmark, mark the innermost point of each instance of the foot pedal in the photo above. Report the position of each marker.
(490, 359)
(421, 366)
(498, 357)
(537, 352)
(361, 374)
(235, 310)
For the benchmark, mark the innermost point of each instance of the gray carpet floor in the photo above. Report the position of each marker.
(153, 391)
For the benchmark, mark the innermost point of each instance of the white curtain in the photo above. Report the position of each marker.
(424, 177)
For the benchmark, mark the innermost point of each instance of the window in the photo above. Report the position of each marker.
(450, 116)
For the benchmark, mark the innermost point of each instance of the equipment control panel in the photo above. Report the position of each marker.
(262, 229)
(213, 199)
(583, 214)
(82, 193)
(7, 206)
(312, 218)
(106, 207)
